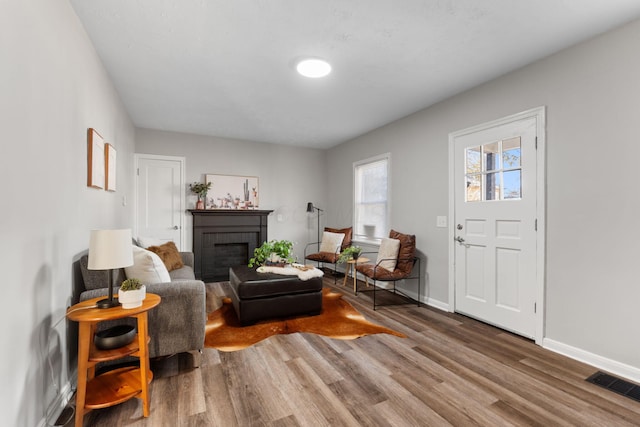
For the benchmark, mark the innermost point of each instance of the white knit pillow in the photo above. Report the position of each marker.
(147, 267)
(389, 253)
(331, 242)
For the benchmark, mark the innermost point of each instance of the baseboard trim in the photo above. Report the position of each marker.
(56, 407)
(437, 304)
(414, 295)
(629, 372)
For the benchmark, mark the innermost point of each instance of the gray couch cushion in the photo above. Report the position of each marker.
(183, 273)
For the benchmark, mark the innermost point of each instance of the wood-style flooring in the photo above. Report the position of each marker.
(450, 371)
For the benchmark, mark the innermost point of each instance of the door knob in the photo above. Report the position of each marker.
(175, 227)
(461, 241)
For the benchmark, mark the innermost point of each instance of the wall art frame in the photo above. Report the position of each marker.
(95, 159)
(110, 167)
(232, 192)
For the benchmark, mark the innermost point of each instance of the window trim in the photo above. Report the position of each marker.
(360, 238)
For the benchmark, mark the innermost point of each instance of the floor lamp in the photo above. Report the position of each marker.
(310, 209)
(109, 249)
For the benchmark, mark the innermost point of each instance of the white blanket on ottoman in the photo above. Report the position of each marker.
(292, 270)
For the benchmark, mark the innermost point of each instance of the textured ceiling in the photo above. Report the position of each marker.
(227, 68)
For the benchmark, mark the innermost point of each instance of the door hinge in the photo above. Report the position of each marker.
(138, 171)
(535, 307)
(536, 142)
(535, 226)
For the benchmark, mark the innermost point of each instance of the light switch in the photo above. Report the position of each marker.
(441, 221)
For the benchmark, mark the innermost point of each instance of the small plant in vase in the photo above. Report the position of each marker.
(200, 189)
(350, 253)
(131, 293)
(273, 253)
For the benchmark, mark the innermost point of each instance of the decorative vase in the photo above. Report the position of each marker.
(200, 204)
(369, 230)
(132, 299)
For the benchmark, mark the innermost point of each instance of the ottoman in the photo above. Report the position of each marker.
(259, 296)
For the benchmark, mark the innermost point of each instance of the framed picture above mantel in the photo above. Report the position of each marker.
(232, 192)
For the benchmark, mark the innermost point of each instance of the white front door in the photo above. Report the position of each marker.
(160, 197)
(495, 220)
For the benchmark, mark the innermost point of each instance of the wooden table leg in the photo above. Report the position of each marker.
(346, 274)
(144, 362)
(84, 342)
(355, 274)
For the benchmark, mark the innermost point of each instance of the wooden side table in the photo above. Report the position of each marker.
(119, 385)
(351, 266)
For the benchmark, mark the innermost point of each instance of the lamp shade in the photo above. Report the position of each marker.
(310, 207)
(110, 249)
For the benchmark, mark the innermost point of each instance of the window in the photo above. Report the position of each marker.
(494, 171)
(371, 196)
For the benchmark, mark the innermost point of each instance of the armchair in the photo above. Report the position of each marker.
(329, 257)
(394, 268)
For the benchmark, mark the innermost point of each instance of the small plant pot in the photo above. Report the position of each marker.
(132, 299)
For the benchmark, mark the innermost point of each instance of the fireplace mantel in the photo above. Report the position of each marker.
(223, 238)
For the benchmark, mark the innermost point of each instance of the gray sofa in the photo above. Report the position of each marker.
(177, 325)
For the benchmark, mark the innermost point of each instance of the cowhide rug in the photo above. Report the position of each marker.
(338, 319)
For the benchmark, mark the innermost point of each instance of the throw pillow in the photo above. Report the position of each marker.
(145, 242)
(147, 267)
(346, 242)
(388, 253)
(407, 250)
(169, 255)
(331, 242)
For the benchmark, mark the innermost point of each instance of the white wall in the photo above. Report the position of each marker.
(53, 88)
(289, 177)
(592, 94)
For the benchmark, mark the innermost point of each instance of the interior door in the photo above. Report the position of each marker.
(160, 195)
(495, 225)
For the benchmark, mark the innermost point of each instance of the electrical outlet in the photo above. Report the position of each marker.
(441, 221)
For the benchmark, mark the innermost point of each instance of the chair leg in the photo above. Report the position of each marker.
(374, 294)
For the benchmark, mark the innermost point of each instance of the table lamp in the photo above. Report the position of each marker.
(310, 209)
(109, 249)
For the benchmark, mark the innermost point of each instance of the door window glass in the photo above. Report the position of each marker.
(494, 171)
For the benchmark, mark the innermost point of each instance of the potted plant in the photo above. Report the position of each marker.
(200, 189)
(352, 252)
(274, 252)
(131, 293)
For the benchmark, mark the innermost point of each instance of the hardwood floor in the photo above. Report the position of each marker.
(451, 370)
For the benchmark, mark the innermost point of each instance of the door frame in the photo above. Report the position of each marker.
(539, 114)
(136, 172)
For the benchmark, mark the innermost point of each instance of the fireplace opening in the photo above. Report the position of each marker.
(224, 250)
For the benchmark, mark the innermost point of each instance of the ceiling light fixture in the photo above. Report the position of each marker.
(313, 68)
